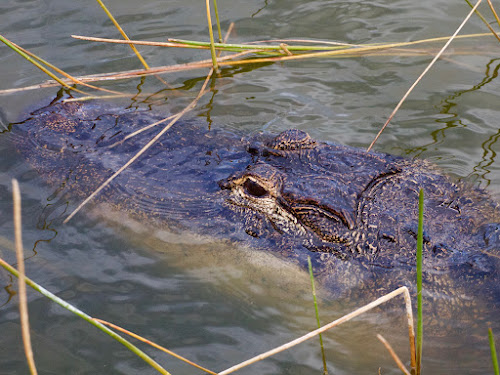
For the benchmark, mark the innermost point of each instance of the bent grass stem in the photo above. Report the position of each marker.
(402, 290)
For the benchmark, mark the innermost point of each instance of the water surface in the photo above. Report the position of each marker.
(209, 300)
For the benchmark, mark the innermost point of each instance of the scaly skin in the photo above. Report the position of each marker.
(354, 212)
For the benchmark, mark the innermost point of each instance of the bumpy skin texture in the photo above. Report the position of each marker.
(354, 212)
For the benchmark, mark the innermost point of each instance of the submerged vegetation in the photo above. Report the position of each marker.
(249, 53)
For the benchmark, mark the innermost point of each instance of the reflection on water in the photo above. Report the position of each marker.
(453, 119)
(212, 302)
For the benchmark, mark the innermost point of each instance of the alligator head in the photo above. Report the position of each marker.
(308, 189)
(342, 200)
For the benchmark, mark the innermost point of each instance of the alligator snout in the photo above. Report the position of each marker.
(225, 184)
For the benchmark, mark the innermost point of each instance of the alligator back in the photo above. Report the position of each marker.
(76, 147)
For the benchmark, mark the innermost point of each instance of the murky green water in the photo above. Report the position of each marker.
(211, 302)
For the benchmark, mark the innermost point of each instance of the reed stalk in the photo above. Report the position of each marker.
(393, 354)
(154, 345)
(23, 300)
(484, 19)
(438, 55)
(217, 21)
(9, 44)
(494, 13)
(402, 290)
(125, 36)
(420, 244)
(212, 42)
(238, 47)
(325, 369)
(494, 358)
(87, 318)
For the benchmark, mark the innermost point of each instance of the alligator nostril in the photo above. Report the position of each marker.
(265, 153)
(224, 184)
(253, 148)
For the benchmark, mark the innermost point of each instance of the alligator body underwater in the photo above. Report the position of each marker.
(355, 213)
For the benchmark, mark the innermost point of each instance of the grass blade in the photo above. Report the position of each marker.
(484, 20)
(422, 75)
(211, 33)
(217, 21)
(494, 358)
(402, 290)
(63, 73)
(325, 370)
(393, 354)
(23, 301)
(87, 318)
(495, 14)
(39, 66)
(149, 342)
(173, 120)
(125, 36)
(420, 243)
(238, 47)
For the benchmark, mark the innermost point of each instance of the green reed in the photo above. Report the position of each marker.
(87, 318)
(420, 243)
(211, 35)
(325, 370)
(125, 36)
(494, 358)
(33, 59)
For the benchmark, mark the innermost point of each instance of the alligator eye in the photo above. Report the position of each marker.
(254, 189)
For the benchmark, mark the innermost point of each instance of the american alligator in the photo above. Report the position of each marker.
(354, 212)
